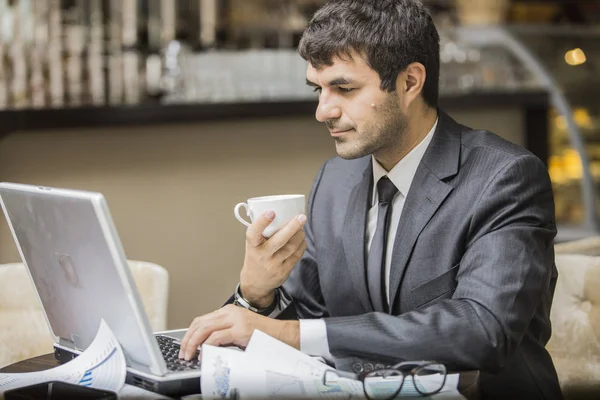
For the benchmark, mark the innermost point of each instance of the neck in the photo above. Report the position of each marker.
(417, 129)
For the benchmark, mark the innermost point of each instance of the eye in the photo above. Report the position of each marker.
(317, 90)
(345, 90)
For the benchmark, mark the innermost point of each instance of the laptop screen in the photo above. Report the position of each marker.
(68, 241)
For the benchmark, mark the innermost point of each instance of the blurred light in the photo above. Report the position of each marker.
(451, 47)
(566, 167)
(582, 117)
(572, 164)
(555, 169)
(575, 57)
(474, 55)
(445, 57)
(560, 122)
(460, 56)
(595, 169)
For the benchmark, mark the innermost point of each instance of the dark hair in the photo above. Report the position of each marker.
(390, 34)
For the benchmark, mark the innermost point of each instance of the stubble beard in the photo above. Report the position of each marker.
(383, 135)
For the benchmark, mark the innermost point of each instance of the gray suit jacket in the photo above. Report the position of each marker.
(472, 275)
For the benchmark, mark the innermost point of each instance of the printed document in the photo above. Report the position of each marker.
(101, 366)
(269, 368)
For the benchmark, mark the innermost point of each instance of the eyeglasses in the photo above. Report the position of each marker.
(427, 378)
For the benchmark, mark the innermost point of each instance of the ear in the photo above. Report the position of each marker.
(410, 83)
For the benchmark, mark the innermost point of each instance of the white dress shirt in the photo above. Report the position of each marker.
(313, 332)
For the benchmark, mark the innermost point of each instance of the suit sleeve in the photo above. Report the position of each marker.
(303, 285)
(300, 296)
(503, 277)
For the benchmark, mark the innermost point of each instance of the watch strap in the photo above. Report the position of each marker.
(240, 301)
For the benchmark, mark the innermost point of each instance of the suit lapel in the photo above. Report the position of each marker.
(422, 202)
(427, 192)
(354, 235)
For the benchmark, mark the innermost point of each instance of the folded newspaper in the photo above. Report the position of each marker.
(269, 368)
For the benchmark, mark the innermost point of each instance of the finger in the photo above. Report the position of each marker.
(284, 235)
(297, 239)
(185, 347)
(189, 343)
(200, 336)
(292, 260)
(196, 323)
(291, 246)
(254, 232)
(220, 338)
(188, 334)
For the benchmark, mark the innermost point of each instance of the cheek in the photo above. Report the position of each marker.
(361, 115)
(370, 120)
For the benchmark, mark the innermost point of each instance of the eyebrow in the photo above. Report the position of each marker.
(335, 82)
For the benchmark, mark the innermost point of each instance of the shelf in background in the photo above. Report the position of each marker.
(15, 121)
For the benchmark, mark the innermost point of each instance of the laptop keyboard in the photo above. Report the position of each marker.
(170, 352)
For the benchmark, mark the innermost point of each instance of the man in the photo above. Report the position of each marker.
(424, 239)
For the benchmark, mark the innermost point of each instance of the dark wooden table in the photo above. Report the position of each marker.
(468, 384)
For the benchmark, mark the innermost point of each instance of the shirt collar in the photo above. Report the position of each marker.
(403, 173)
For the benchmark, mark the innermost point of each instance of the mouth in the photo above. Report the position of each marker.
(340, 133)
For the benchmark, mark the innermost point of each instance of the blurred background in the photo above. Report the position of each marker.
(177, 110)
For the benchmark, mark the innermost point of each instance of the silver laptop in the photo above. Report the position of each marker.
(68, 241)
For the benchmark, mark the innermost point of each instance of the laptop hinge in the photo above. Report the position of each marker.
(69, 344)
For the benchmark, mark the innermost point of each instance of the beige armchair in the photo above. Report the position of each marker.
(23, 329)
(24, 332)
(589, 246)
(575, 315)
(152, 282)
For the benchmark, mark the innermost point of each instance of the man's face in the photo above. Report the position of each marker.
(361, 117)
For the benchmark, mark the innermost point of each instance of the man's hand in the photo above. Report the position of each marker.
(268, 263)
(232, 325)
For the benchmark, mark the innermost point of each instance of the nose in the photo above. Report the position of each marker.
(327, 111)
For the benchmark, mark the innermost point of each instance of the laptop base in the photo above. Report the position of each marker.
(172, 388)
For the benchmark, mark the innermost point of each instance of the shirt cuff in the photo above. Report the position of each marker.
(284, 301)
(313, 338)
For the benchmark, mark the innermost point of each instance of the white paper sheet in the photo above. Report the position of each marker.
(272, 369)
(226, 370)
(290, 372)
(268, 369)
(288, 360)
(129, 392)
(450, 389)
(102, 366)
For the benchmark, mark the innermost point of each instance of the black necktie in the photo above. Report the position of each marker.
(376, 261)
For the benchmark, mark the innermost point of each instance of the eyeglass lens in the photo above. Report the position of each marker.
(387, 384)
(429, 379)
(383, 384)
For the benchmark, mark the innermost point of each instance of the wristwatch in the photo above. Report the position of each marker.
(240, 301)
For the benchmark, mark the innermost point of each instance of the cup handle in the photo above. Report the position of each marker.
(236, 212)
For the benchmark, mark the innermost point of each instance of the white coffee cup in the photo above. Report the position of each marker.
(285, 207)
